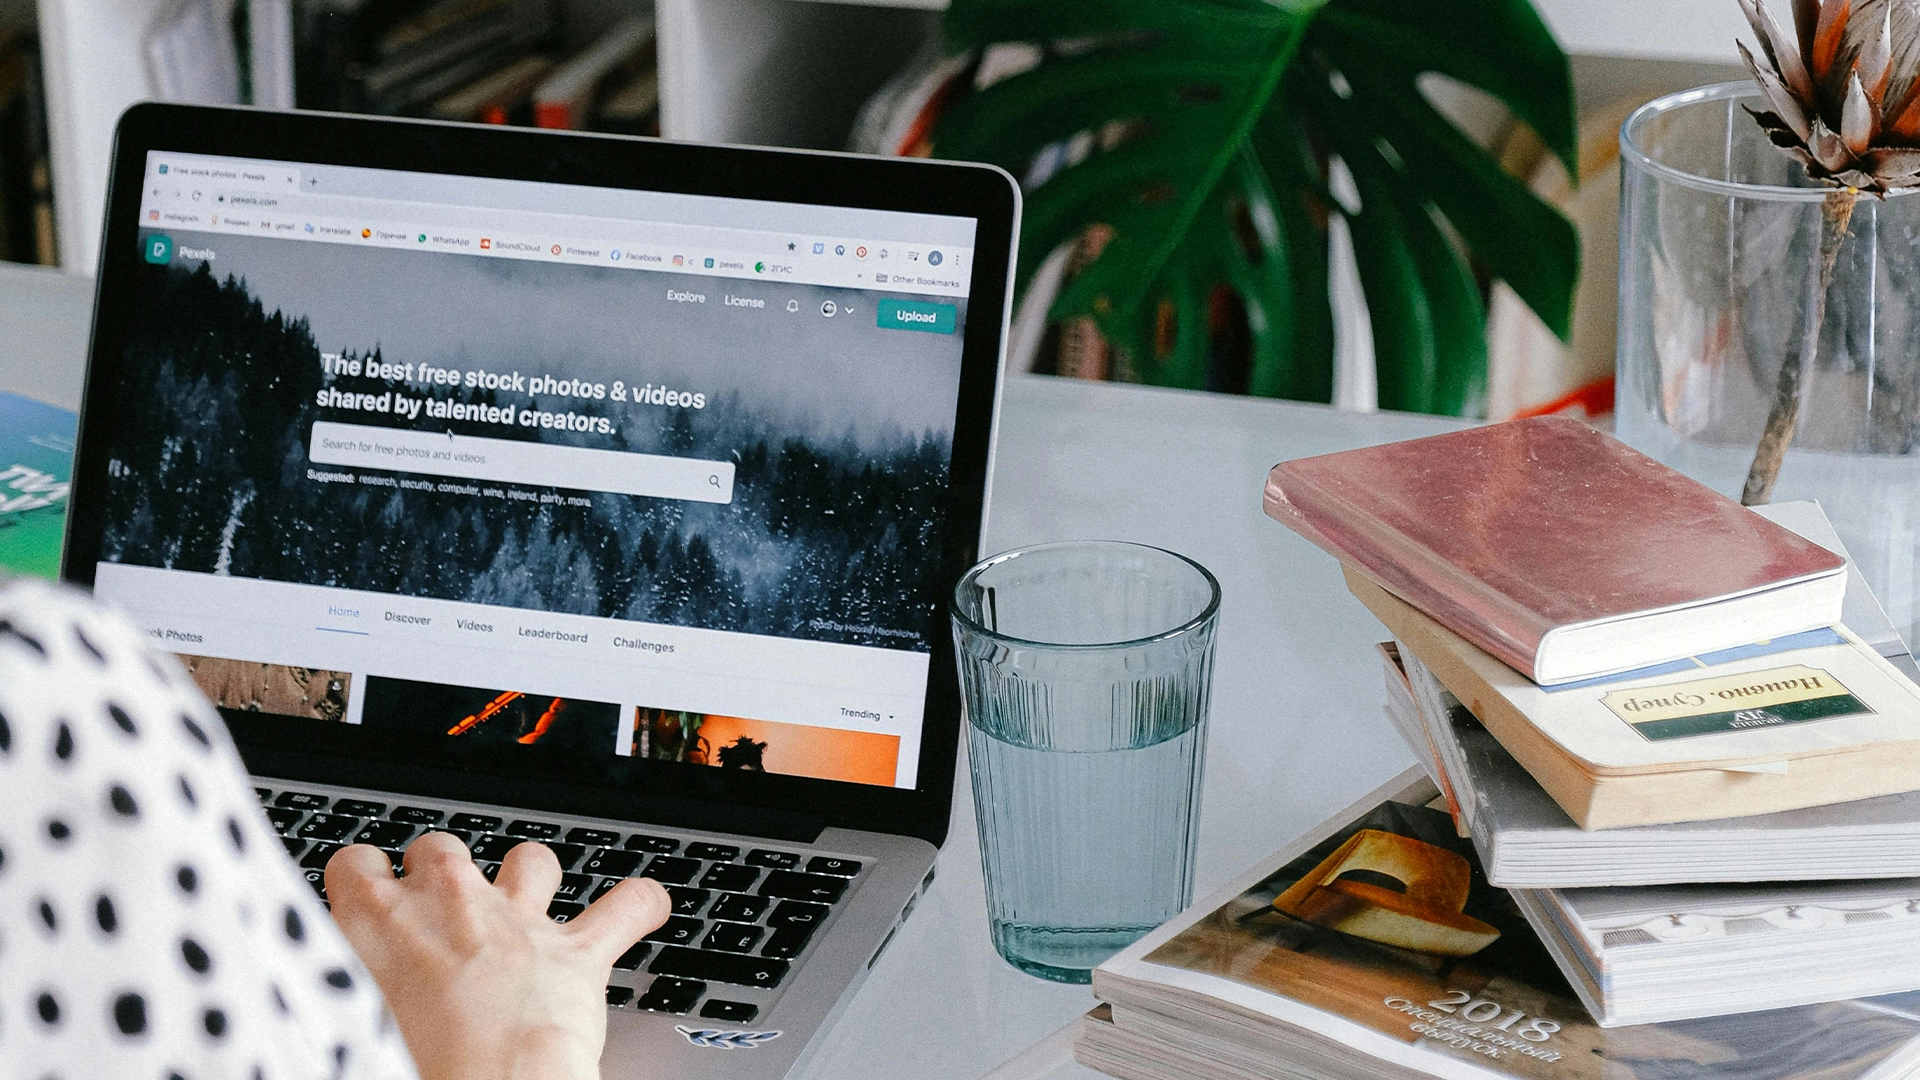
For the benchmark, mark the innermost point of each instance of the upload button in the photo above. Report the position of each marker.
(915, 315)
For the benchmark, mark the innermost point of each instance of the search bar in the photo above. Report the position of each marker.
(469, 457)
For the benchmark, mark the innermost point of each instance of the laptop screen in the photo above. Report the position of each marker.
(518, 465)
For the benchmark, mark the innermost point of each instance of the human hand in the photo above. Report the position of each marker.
(483, 984)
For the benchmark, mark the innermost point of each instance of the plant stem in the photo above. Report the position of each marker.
(1835, 213)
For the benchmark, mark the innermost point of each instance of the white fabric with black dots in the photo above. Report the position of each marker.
(151, 924)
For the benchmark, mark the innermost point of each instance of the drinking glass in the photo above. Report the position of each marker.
(1085, 669)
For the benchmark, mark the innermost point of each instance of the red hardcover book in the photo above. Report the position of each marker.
(1558, 549)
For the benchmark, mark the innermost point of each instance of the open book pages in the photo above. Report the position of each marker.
(1644, 955)
(1374, 947)
(1411, 723)
(1526, 841)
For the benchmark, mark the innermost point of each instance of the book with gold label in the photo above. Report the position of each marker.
(1374, 947)
(1803, 720)
(1526, 841)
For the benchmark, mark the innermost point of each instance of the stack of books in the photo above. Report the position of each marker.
(1667, 820)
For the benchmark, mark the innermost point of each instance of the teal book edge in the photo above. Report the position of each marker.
(36, 468)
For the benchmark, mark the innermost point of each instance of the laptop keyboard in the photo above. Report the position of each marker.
(742, 916)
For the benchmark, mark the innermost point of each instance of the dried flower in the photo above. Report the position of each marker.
(1844, 91)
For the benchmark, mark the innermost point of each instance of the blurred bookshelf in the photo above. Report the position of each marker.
(772, 72)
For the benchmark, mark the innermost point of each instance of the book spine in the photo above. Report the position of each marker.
(1490, 619)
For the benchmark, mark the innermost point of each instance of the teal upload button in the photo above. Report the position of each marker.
(916, 315)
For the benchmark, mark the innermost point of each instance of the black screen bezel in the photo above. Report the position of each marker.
(695, 796)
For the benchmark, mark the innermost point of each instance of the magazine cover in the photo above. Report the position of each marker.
(1382, 935)
(36, 462)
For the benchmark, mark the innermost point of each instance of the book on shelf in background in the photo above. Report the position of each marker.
(26, 179)
(577, 64)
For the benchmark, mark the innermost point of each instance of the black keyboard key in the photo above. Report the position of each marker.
(317, 879)
(573, 887)
(416, 815)
(568, 854)
(787, 941)
(736, 1012)
(658, 845)
(359, 808)
(674, 996)
(300, 800)
(384, 834)
(489, 870)
(606, 886)
(284, 819)
(473, 822)
(719, 967)
(317, 858)
(788, 885)
(677, 930)
(592, 837)
(464, 837)
(534, 830)
(633, 958)
(776, 860)
(736, 907)
(687, 901)
(294, 847)
(827, 864)
(562, 910)
(327, 827)
(712, 852)
(730, 876)
(668, 870)
(266, 794)
(794, 913)
(612, 862)
(732, 937)
(619, 995)
(494, 847)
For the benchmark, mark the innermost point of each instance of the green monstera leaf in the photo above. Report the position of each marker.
(1220, 120)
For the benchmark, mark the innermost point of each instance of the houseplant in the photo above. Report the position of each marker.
(1220, 123)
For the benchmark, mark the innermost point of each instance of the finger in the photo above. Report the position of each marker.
(628, 912)
(439, 856)
(529, 875)
(359, 881)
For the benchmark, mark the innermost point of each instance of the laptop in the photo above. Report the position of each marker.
(598, 491)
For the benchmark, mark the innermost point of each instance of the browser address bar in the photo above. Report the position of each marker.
(470, 457)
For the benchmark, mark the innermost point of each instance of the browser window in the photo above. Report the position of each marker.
(661, 475)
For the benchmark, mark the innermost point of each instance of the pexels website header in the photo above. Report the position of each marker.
(705, 236)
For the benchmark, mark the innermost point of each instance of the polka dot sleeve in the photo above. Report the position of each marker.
(151, 924)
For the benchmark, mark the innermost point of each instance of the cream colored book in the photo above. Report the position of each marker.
(1807, 720)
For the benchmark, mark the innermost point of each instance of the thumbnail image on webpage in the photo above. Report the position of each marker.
(834, 434)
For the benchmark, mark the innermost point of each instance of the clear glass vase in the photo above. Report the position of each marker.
(1720, 254)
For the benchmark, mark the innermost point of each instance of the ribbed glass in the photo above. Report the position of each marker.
(1085, 669)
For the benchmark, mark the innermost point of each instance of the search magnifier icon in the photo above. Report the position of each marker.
(714, 481)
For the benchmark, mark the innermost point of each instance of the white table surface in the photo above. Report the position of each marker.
(1296, 728)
